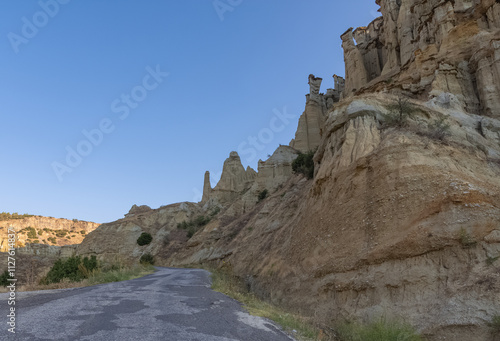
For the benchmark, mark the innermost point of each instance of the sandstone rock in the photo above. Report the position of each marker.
(308, 134)
(233, 182)
(428, 47)
(207, 188)
(276, 170)
(137, 210)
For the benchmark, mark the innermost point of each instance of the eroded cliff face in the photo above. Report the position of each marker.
(395, 223)
(402, 217)
(429, 47)
(45, 230)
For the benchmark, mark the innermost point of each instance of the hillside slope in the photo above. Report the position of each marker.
(402, 216)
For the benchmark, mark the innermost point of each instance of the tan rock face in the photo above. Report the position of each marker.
(429, 47)
(47, 230)
(399, 223)
(276, 170)
(117, 241)
(308, 134)
(234, 181)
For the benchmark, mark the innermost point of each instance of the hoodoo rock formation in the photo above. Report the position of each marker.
(402, 216)
(429, 47)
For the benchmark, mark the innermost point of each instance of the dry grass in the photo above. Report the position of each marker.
(225, 282)
(113, 274)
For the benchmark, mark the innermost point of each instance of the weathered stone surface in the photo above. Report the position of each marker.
(276, 170)
(207, 188)
(46, 227)
(308, 134)
(234, 181)
(428, 47)
(137, 210)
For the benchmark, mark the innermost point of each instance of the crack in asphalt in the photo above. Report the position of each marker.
(171, 304)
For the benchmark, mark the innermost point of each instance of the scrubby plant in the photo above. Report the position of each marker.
(73, 268)
(466, 239)
(193, 225)
(262, 195)
(399, 112)
(495, 324)
(380, 330)
(436, 130)
(31, 232)
(4, 278)
(83, 232)
(304, 164)
(52, 240)
(491, 260)
(15, 215)
(144, 239)
(147, 258)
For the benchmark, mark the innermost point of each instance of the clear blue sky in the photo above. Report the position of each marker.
(62, 73)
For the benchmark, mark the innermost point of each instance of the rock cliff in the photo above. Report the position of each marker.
(46, 230)
(402, 216)
(429, 47)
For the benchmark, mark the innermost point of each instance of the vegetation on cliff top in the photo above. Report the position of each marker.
(15, 215)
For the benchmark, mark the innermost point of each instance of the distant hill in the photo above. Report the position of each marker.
(32, 229)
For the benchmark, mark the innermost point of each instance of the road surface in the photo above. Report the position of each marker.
(171, 304)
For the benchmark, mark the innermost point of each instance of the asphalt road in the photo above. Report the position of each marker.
(171, 304)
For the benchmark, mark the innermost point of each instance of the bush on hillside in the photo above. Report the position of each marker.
(144, 239)
(73, 268)
(304, 164)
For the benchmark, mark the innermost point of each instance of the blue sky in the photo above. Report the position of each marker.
(92, 68)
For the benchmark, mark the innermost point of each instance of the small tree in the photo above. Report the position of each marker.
(262, 195)
(304, 164)
(399, 113)
(144, 239)
(147, 258)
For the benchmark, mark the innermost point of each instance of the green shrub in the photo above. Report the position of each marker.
(192, 226)
(4, 278)
(380, 330)
(201, 221)
(61, 233)
(52, 240)
(144, 239)
(83, 232)
(495, 323)
(399, 112)
(436, 130)
(75, 220)
(466, 239)
(262, 195)
(214, 211)
(147, 258)
(304, 164)
(15, 215)
(73, 268)
(31, 232)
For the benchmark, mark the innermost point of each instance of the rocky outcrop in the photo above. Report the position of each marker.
(234, 181)
(429, 47)
(47, 230)
(276, 170)
(395, 221)
(207, 188)
(117, 241)
(308, 135)
(137, 210)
